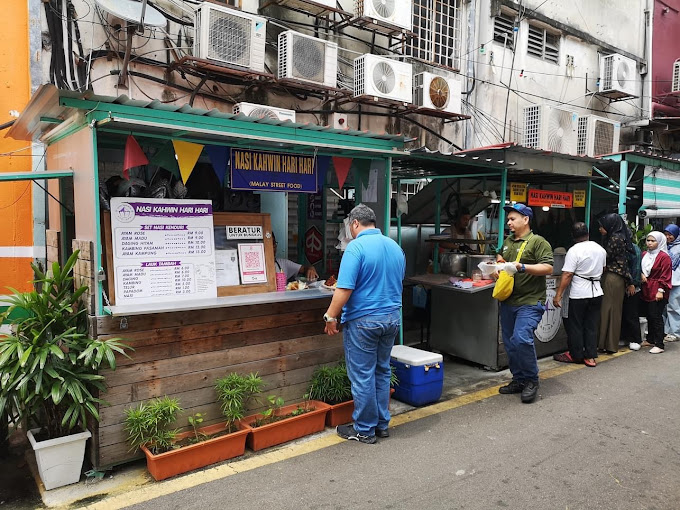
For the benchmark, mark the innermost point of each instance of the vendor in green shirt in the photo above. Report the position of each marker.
(522, 311)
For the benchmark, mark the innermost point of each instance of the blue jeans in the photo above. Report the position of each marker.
(368, 343)
(518, 324)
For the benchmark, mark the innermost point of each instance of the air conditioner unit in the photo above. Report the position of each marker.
(229, 36)
(308, 59)
(436, 92)
(597, 136)
(550, 128)
(618, 74)
(397, 13)
(260, 111)
(382, 77)
(676, 76)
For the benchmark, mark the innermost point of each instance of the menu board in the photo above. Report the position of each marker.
(163, 250)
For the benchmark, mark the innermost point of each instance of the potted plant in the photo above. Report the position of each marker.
(49, 371)
(332, 386)
(170, 452)
(280, 423)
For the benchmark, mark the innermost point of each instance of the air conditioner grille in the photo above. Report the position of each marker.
(604, 138)
(383, 78)
(439, 92)
(676, 76)
(582, 136)
(532, 126)
(309, 57)
(384, 8)
(608, 71)
(229, 38)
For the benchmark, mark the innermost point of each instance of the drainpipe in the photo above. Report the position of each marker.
(623, 179)
(471, 55)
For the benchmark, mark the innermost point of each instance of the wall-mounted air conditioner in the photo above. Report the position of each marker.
(229, 36)
(382, 77)
(597, 136)
(397, 13)
(550, 128)
(260, 111)
(436, 92)
(309, 59)
(676, 76)
(618, 74)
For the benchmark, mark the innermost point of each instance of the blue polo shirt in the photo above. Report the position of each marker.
(373, 266)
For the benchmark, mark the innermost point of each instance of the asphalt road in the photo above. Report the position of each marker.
(597, 438)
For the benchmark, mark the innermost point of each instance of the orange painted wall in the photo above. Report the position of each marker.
(15, 197)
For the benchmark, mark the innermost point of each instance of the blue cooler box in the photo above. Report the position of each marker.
(420, 373)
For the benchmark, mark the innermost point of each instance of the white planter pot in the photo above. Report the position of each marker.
(59, 460)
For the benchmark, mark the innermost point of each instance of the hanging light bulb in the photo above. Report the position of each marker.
(546, 208)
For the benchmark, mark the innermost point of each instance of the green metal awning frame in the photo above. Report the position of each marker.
(53, 115)
(35, 176)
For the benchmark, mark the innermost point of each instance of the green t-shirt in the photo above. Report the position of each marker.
(528, 289)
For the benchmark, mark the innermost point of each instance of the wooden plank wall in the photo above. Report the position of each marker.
(182, 354)
(84, 272)
(53, 240)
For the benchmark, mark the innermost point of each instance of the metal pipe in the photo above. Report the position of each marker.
(437, 224)
(623, 179)
(501, 211)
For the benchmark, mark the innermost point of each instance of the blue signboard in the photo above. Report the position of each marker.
(273, 171)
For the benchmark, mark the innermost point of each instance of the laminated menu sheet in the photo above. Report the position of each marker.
(163, 250)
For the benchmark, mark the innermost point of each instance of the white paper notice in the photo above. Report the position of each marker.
(226, 265)
(163, 250)
(251, 263)
(370, 193)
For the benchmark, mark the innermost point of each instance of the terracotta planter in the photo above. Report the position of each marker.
(197, 455)
(288, 429)
(341, 413)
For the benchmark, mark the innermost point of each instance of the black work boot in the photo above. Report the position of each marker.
(513, 387)
(529, 392)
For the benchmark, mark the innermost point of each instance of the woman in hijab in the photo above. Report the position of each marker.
(672, 322)
(616, 279)
(656, 285)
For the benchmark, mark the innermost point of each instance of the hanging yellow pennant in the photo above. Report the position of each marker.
(187, 156)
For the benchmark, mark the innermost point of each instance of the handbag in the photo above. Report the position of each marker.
(506, 282)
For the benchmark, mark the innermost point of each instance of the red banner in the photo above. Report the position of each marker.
(547, 198)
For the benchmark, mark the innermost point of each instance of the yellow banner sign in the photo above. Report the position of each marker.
(518, 192)
(579, 198)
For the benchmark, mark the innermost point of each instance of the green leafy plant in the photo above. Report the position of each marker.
(49, 364)
(234, 392)
(148, 424)
(332, 385)
(640, 235)
(195, 422)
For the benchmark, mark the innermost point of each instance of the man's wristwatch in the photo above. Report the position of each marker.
(523, 269)
(328, 318)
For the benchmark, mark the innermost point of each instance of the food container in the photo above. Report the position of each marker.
(452, 263)
(474, 260)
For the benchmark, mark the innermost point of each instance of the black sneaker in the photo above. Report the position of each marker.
(529, 392)
(348, 432)
(513, 387)
(382, 433)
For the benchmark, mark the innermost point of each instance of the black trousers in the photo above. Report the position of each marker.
(654, 312)
(630, 319)
(583, 324)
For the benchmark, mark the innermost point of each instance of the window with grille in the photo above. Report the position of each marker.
(503, 25)
(543, 44)
(436, 24)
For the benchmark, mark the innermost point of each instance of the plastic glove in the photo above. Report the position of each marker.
(509, 267)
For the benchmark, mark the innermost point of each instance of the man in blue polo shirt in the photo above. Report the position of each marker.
(369, 294)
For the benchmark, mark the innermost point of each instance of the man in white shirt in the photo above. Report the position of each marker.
(293, 268)
(583, 267)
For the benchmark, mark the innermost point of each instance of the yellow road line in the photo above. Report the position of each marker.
(159, 489)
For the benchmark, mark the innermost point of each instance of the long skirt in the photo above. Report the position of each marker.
(614, 288)
(673, 312)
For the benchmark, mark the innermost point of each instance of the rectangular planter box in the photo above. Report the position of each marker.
(288, 429)
(197, 455)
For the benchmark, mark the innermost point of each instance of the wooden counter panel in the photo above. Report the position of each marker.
(108, 325)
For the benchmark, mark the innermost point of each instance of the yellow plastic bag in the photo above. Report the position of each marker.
(504, 286)
(506, 282)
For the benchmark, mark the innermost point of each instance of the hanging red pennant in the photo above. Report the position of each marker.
(134, 156)
(341, 166)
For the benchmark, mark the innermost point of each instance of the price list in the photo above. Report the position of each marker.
(163, 250)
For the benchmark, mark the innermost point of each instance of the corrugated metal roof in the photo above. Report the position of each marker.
(45, 104)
